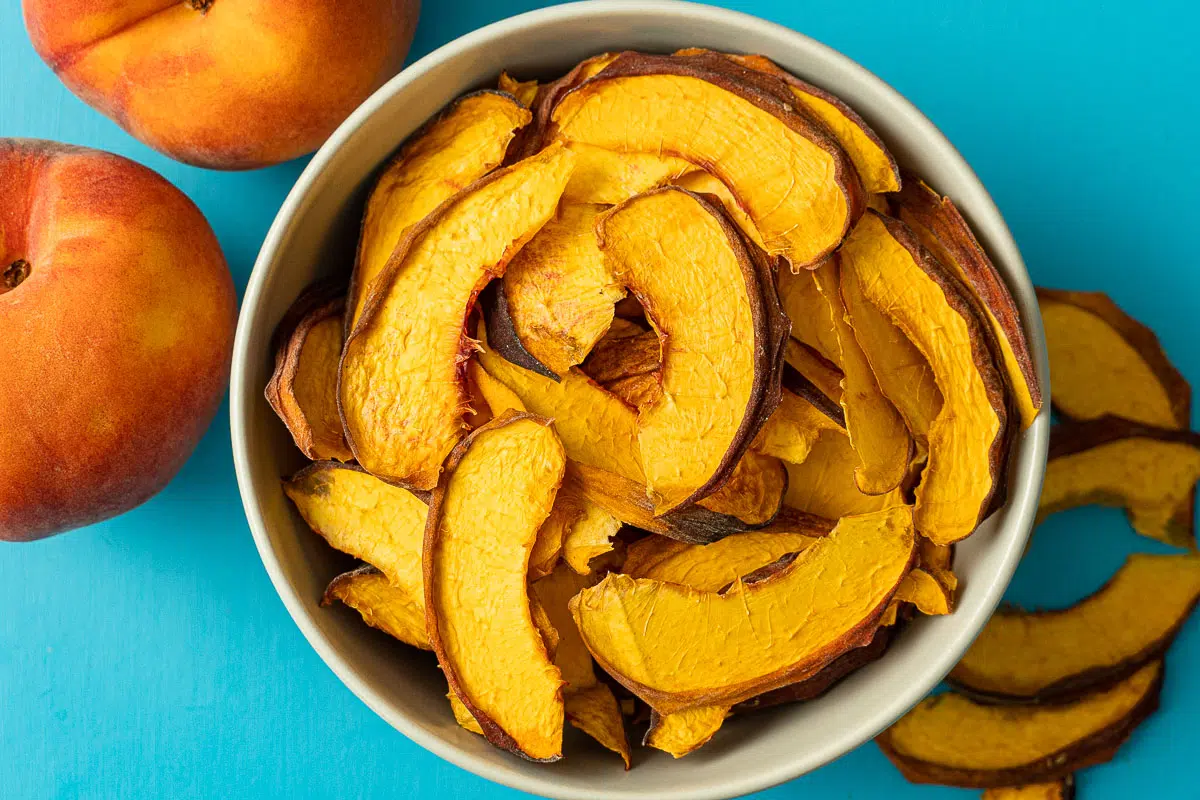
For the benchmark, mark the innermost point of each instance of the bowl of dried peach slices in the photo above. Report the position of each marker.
(644, 388)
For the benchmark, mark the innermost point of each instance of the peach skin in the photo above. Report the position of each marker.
(117, 315)
(226, 84)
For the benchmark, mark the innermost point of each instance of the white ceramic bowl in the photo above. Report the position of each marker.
(314, 236)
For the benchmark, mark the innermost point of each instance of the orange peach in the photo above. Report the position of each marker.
(227, 84)
(116, 324)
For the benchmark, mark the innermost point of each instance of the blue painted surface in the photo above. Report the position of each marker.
(150, 657)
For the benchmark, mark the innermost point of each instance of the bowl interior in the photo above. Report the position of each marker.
(314, 236)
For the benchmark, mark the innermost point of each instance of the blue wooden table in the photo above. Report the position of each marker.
(149, 657)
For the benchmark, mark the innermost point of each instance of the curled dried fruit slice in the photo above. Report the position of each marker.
(926, 592)
(953, 741)
(811, 316)
(590, 704)
(871, 158)
(876, 431)
(476, 599)
(383, 605)
(794, 428)
(936, 222)
(710, 568)
(303, 388)
(826, 679)
(683, 732)
(548, 548)
(1102, 361)
(823, 484)
(624, 356)
(638, 630)
(559, 292)
(590, 536)
(524, 91)
(458, 147)
(967, 437)
(361, 515)
(401, 387)
(1055, 655)
(1150, 472)
(722, 351)
(902, 372)
(1063, 789)
(786, 171)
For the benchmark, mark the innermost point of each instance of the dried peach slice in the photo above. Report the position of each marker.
(951, 740)
(497, 490)
(303, 388)
(401, 385)
(456, 148)
(638, 629)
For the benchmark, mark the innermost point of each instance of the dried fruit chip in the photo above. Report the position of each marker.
(303, 388)
(548, 548)
(390, 608)
(794, 428)
(590, 536)
(623, 356)
(638, 629)
(811, 316)
(1050, 656)
(1102, 361)
(788, 173)
(940, 227)
(902, 372)
(497, 490)
(967, 438)
(559, 292)
(361, 515)
(710, 568)
(590, 704)
(1150, 472)
(722, 351)
(401, 385)
(876, 431)
(683, 732)
(524, 91)
(458, 147)
(823, 484)
(949, 739)
(754, 491)
(926, 592)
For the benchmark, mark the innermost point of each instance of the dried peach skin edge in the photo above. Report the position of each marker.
(315, 304)
(491, 731)
(1138, 336)
(341, 588)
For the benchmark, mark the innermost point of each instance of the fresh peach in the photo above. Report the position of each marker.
(228, 84)
(116, 324)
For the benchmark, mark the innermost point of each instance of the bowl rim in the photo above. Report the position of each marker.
(1027, 483)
